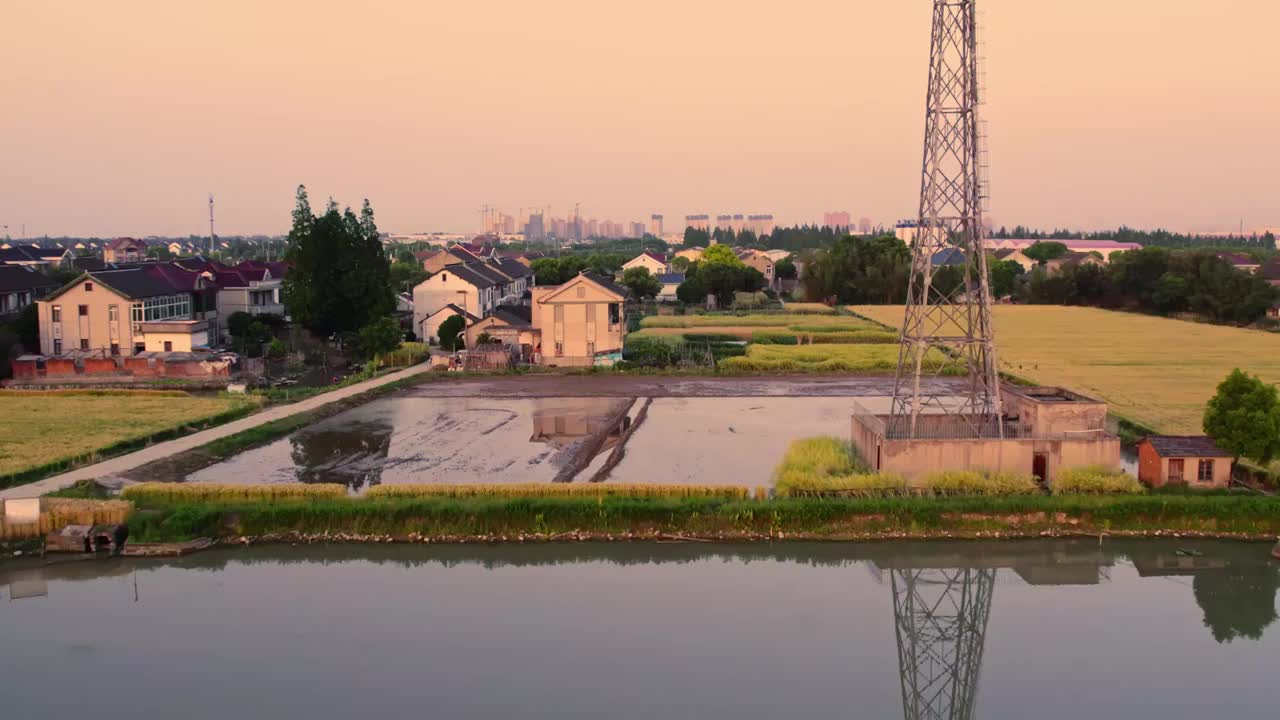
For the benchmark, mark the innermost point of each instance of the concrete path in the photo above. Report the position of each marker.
(160, 451)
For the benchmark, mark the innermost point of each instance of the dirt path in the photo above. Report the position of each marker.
(125, 463)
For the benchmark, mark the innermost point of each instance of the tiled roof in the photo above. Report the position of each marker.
(514, 268)
(1270, 270)
(122, 241)
(606, 283)
(21, 277)
(456, 311)
(1185, 446)
(514, 314)
(467, 274)
(948, 256)
(31, 253)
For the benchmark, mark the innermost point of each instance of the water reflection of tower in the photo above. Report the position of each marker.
(941, 622)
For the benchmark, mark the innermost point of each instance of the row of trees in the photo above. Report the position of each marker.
(1157, 280)
(557, 270)
(800, 237)
(1146, 238)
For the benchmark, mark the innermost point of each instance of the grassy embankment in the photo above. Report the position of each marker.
(44, 432)
(593, 512)
(1155, 372)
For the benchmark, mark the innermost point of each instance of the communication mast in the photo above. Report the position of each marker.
(947, 330)
(212, 241)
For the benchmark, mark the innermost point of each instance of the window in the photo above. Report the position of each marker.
(84, 343)
(559, 349)
(168, 346)
(84, 310)
(115, 349)
(113, 313)
(1205, 471)
(615, 313)
(444, 277)
(582, 291)
(1175, 471)
(88, 287)
(57, 313)
(166, 307)
(57, 347)
(138, 347)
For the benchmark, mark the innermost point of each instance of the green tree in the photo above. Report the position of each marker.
(451, 337)
(380, 337)
(785, 268)
(406, 276)
(693, 237)
(721, 254)
(1244, 417)
(339, 279)
(692, 291)
(1239, 601)
(1043, 252)
(1004, 276)
(680, 264)
(641, 283)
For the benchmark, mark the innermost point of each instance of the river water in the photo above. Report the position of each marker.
(1044, 629)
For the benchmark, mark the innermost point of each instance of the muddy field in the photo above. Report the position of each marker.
(707, 431)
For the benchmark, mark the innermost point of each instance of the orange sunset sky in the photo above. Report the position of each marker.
(119, 118)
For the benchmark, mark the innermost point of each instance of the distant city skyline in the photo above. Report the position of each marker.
(511, 104)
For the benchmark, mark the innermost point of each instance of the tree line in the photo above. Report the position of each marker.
(1156, 280)
(1146, 238)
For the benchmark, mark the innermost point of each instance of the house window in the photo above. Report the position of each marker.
(84, 310)
(88, 287)
(57, 313)
(615, 313)
(444, 277)
(1205, 471)
(113, 313)
(84, 343)
(559, 349)
(1175, 471)
(168, 346)
(138, 347)
(582, 292)
(57, 347)
(115, 349)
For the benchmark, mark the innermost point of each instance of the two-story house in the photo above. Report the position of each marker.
(20, 286)
(466, 286)
(762, 262)
(655, 263)
(124, 250)
(157, 307)
(580, 322)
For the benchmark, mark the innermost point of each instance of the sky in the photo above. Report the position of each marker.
(120, 118)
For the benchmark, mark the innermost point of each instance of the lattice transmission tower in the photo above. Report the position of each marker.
(941, 621)
(948, 315)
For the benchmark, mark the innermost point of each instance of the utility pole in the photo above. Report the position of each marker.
(211, 236)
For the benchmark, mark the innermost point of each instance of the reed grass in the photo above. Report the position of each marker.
(169, 493)
(1095, 481)
(410, 353)
(961, 482)
(806, 307)
(555, 490)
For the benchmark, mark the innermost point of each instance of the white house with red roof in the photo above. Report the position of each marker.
(655, 263)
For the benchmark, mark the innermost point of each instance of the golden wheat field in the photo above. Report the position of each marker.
(40, 428)
(1151, 370)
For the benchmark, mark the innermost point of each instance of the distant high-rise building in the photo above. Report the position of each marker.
(864, 226)
(560, 228)
(534, 229)
(655, 225)
(761, 225)
(840, 220)
(698, 222)
(637, 230)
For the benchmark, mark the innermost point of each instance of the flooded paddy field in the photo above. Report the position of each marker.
(712, 431)
(716, 441)
(1055, 630)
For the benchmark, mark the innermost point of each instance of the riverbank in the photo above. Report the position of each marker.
(531, 519)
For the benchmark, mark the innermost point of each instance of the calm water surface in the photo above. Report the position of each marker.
(905, 630)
